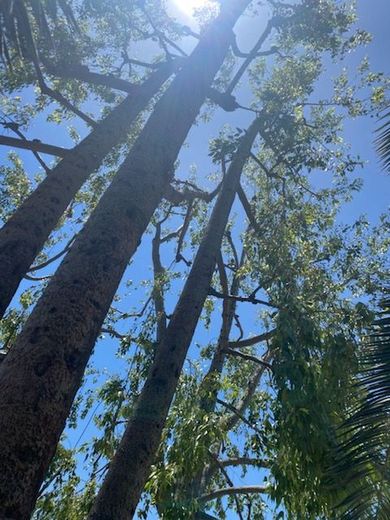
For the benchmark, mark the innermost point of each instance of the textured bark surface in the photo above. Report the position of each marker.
(127, 474)
(42, 372)
(24, 234)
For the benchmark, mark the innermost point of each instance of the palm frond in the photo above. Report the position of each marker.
(382, 142)
(362, 467)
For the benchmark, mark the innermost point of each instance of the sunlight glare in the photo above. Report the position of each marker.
(188, 6)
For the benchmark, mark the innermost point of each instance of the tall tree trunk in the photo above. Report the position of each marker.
(43, 371)
(25, 233)
(130, 467)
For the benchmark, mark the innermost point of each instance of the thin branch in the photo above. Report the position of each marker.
(254, 301)
(233, 248)
(230, 422)
(248, 357)
(237, 413)
(142, 311)
(171, 236)
(248, 210)
(178, 197)
(54, 258)
(35, 146)
(223, 279)
(244, 461)
(242, 490)
(158, 285)
(251, 56)
(183, 233)
(15, 128)
(81, 72)
(112, 332)
(37, 278)
(57, 96)
(252, 341)
(239, 326)
(230, 482)
(45, 89)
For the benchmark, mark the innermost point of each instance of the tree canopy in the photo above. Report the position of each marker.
(193, 325)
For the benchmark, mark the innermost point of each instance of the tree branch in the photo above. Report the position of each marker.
(242, 490)
(231, 421)
(248, 357)
(237, 413)
(244, 461)
(230, 482)
(177, 197)
(158, 285)
(252, 341)
(35, 146)
(254, 301)
(54, 258)
(183, 233)
(251, 56)
(248, 210)
(115, 334)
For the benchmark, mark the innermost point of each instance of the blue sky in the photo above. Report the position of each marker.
(374, 16)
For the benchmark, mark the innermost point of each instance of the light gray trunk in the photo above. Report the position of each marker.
(24, 234)
(127, 474)
(43, 370)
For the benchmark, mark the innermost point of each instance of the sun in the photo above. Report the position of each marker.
(188, 6)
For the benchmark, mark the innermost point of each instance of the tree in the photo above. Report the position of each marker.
(113, 232)
(44, 366)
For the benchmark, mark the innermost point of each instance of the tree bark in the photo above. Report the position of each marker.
(43, 371)
(129, 469)
(24, 234)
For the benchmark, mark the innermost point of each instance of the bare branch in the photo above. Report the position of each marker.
(54, 258)
(15, 128)
(252, 341)
(244, 461)
(233, 248)
(239, 326)
(230, 482)
(242, 490)
(57, 96)
(254, 301)
(248, 210)
(248, 357)
(37, 278)
(112, 332)
(231, 421)
(35, 146)
(183, 233)
(178, 197)
(171, 236)
(251, 56)
(158, 285)
(238, 414)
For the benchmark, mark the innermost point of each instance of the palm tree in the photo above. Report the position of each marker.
(363, 456)
(383, 141)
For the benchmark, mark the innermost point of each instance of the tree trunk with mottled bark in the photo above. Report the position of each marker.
(42, 372)
(24, 234)
(128, 472)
